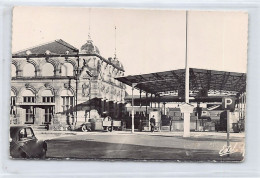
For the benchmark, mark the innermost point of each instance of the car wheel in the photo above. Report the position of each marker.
(84, 128)
(24, 155)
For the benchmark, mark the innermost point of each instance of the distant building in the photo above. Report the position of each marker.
(58, 81)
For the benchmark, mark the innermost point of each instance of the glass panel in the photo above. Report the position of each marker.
(71, 101)
(67, 100)
(29, 132)
(63, 100)
(29, 115)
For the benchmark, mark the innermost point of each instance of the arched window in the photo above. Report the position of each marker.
(67, 101)
(67, 69)
(47, 70)
(29, 70)
(13, 70)
(28, 96)
(47, 96)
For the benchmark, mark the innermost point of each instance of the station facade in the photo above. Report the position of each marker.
(56, 81)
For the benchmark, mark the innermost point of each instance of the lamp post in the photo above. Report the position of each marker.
(187, 108)
(90, 79)
(133, 126)
(77, 72)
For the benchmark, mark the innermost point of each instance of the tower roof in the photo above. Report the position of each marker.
(89, 48)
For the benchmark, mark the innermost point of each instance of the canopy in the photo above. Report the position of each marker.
(174, 80)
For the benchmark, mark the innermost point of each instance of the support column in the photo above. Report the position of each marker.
(155, 101)
(186, 124)
(140, 99)
(151, 102)
(19, 73)
(105, 106)
(133, 126)
(141, 113)
(146, 103)
(164, 109)
(242, 106)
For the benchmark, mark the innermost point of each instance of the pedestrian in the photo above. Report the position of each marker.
(152, 123)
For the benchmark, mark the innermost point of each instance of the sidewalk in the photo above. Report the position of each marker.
(45, 135)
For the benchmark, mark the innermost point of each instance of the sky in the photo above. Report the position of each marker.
(146, 40)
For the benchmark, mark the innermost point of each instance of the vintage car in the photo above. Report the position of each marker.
(24, 144)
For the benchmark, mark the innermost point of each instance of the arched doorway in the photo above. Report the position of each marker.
(67, 103)
(48, 105)
(28, 105)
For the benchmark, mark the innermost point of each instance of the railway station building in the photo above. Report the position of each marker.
(56, 82)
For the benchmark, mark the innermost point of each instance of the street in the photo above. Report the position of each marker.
(201, 146)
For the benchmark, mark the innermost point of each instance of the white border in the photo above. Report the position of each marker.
(250, 167)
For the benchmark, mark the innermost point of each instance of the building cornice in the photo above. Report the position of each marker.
(66, 56)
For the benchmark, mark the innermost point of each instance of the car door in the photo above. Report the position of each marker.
(27, 141)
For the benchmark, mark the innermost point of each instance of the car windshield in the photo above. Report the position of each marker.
(26, 133)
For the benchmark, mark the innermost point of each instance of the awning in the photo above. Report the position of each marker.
(174, 80)
(85, 106)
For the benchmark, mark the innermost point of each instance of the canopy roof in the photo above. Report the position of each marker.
(174, 80)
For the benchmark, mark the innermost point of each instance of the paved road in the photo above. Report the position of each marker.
(144, 146)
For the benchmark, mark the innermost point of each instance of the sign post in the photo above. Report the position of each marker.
(133, 112)
(228, 129)
(228, 104)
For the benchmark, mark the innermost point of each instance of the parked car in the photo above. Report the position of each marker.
(86, 127)
(24, 144)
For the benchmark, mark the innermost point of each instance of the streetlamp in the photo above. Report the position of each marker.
(77, 73)
(133, 126)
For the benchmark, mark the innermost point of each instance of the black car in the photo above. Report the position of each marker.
(24, 144)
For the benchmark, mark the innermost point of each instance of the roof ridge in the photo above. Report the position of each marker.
(60, 41)
(33, 47)
(64, 43)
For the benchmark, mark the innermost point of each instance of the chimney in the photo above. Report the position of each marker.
(110, 59)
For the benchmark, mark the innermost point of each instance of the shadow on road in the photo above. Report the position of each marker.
(88, 149)
(204, 138)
